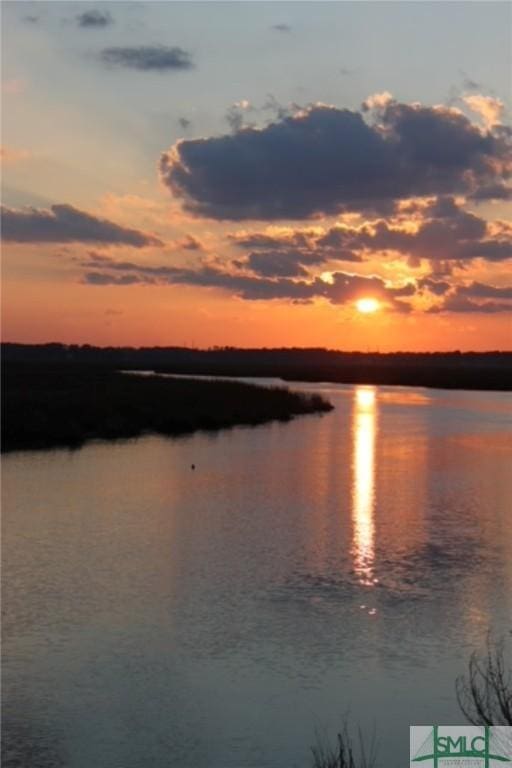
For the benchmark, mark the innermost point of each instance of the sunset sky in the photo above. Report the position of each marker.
(246, 173)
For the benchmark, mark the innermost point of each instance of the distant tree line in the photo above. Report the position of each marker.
(460, 370)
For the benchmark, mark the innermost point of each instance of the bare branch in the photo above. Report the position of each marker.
(485, 695)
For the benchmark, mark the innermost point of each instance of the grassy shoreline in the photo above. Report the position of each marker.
(66, 405)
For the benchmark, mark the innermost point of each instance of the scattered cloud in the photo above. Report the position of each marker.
(158, 58)
(489, 108)
(343, 287)
(482, 291)
(289, 252)
(264, 276)
(460, 303)
(100, 278)
(442, 231)
(323, 160)
(63, 224)
(490, 299)
(94, 18)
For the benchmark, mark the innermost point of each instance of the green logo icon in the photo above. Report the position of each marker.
(459, 745)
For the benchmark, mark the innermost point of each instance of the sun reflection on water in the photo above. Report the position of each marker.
(363, 492)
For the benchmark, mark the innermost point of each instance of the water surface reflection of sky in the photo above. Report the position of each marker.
(218, 618)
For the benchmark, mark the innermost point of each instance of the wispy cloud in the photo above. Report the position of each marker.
(483, 291)
(458, 303)
(158, 58)
(184, 123)
(94, 18)
(342, 288)
(100, 278)
(63, 224)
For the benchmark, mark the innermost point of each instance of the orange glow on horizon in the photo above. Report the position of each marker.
(45, 301)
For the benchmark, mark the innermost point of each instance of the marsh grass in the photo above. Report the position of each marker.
(65, 405)
(348, 752)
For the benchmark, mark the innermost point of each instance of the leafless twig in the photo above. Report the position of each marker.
(485, 694)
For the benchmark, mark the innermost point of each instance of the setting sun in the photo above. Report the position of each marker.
(367, 305)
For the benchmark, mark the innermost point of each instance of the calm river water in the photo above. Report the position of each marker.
(219, 618)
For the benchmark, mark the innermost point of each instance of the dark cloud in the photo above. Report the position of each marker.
(446, 232)
(462, 299)
(289, 254)
(297, 239)
(497, 191)
(342, 237)
(343, 288)
(94, 19)
(480, 290)
(325, 160)
(276, 264)
(287, 281)
(458, 303)
(102, 278)
(281, 27)
(64, 224)
(157, 58)
(437, 287)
